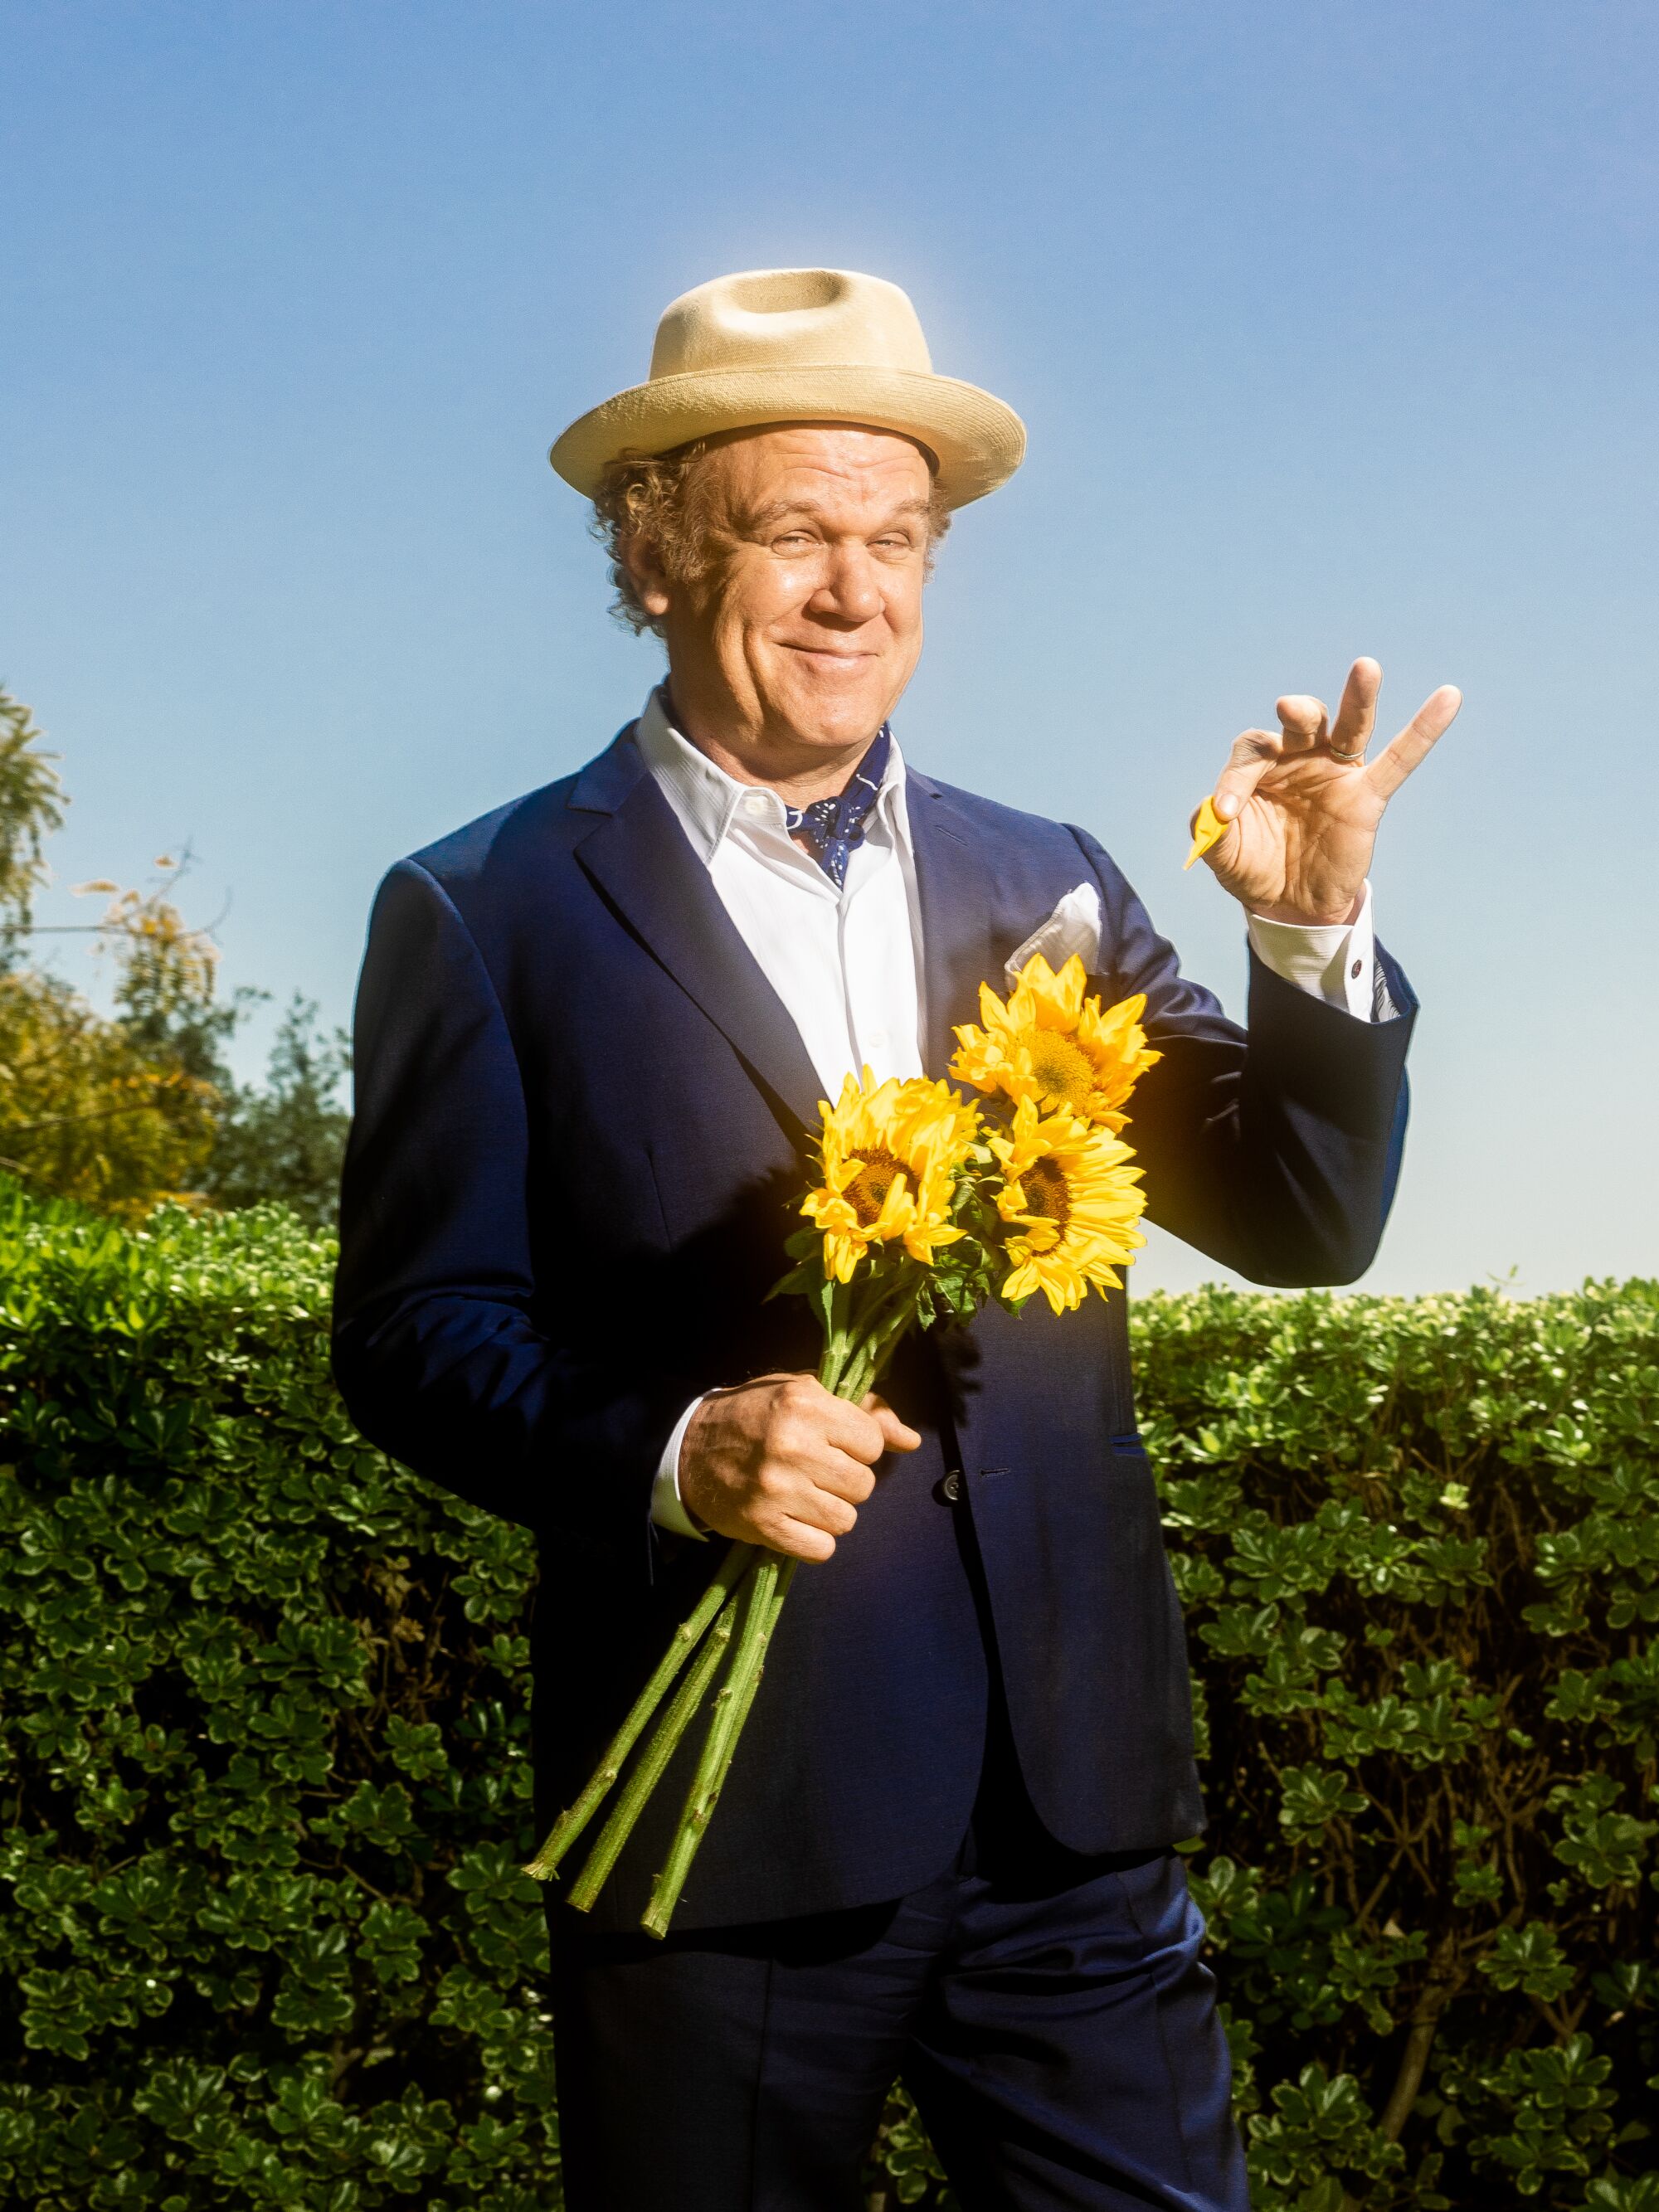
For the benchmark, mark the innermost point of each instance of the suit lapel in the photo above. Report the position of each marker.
(641, 860)
(955, 885)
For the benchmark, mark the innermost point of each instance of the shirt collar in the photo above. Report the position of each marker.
(708, 800)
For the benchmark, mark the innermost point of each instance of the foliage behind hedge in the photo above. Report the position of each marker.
(264, 1747)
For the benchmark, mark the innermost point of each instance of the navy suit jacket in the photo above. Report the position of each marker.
(578, 1147)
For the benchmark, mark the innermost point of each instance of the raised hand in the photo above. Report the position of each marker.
(1301, 803)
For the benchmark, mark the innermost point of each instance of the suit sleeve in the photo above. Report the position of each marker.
(448, 1351)
(1276, 1148)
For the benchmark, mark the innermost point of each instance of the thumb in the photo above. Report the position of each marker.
(1252, 754)
(895, 1434)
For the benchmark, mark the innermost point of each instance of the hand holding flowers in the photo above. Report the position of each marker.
(782, 1461)
(928, 1204)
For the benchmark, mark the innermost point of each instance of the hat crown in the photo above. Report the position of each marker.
(790, 318)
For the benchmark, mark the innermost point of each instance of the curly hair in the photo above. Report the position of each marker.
(655, 496)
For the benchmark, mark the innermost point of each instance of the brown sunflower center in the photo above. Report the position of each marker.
(1046, 1193)
(868, 1192)
(1063, 1068)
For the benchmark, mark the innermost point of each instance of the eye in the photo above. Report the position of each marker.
(792, 541)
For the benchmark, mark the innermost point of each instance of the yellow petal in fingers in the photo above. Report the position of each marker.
(1208, 829)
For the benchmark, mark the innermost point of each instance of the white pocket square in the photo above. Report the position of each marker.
(1073, 927)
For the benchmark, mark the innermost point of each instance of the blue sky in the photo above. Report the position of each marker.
(1334, 328)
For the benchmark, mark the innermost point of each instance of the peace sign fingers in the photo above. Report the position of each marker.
(1415, 742)
(1301, 805)
(1356, 715)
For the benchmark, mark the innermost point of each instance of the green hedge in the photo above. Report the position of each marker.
(264, 1747)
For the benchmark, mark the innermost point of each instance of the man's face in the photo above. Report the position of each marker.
(805, 624)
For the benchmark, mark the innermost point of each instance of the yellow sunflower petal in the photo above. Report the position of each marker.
(1040, 995)
(1053, 1044)
(1073, 1193)
(891, 1154)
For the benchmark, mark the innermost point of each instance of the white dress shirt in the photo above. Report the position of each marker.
(847, 963)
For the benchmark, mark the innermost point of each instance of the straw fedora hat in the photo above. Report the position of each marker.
(798, 345)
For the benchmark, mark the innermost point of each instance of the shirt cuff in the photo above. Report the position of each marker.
(1333, 961)
(666, 1511)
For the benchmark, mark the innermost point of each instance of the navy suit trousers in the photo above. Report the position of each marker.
(1048, 2011)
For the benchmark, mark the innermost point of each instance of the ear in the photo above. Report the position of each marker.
(639, 558)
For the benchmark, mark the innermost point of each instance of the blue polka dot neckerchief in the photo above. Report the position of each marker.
(832, 827)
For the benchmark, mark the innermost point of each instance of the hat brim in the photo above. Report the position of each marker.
(976, 440)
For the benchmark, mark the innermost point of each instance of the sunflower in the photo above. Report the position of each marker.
(891, 1152)
(1073, 1199)
(1052, 1045)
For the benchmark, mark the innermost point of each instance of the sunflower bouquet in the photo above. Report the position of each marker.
(926, 1205)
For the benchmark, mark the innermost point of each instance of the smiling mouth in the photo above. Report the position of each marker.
(828, 653)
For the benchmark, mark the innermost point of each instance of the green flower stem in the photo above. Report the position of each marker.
(868, 1353)
(731, 1709)
(837, 1339)
(764, 1644)
(863, 1370)
(847, 1367)
(661, 1908)
(689, 1633)
(861, 1335)
(855, 1351)
(654, 1760)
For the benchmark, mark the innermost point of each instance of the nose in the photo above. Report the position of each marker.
(851, 589)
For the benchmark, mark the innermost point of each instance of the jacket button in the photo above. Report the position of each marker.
(950, 1488)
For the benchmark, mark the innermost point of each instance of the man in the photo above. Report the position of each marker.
(593, 1032)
